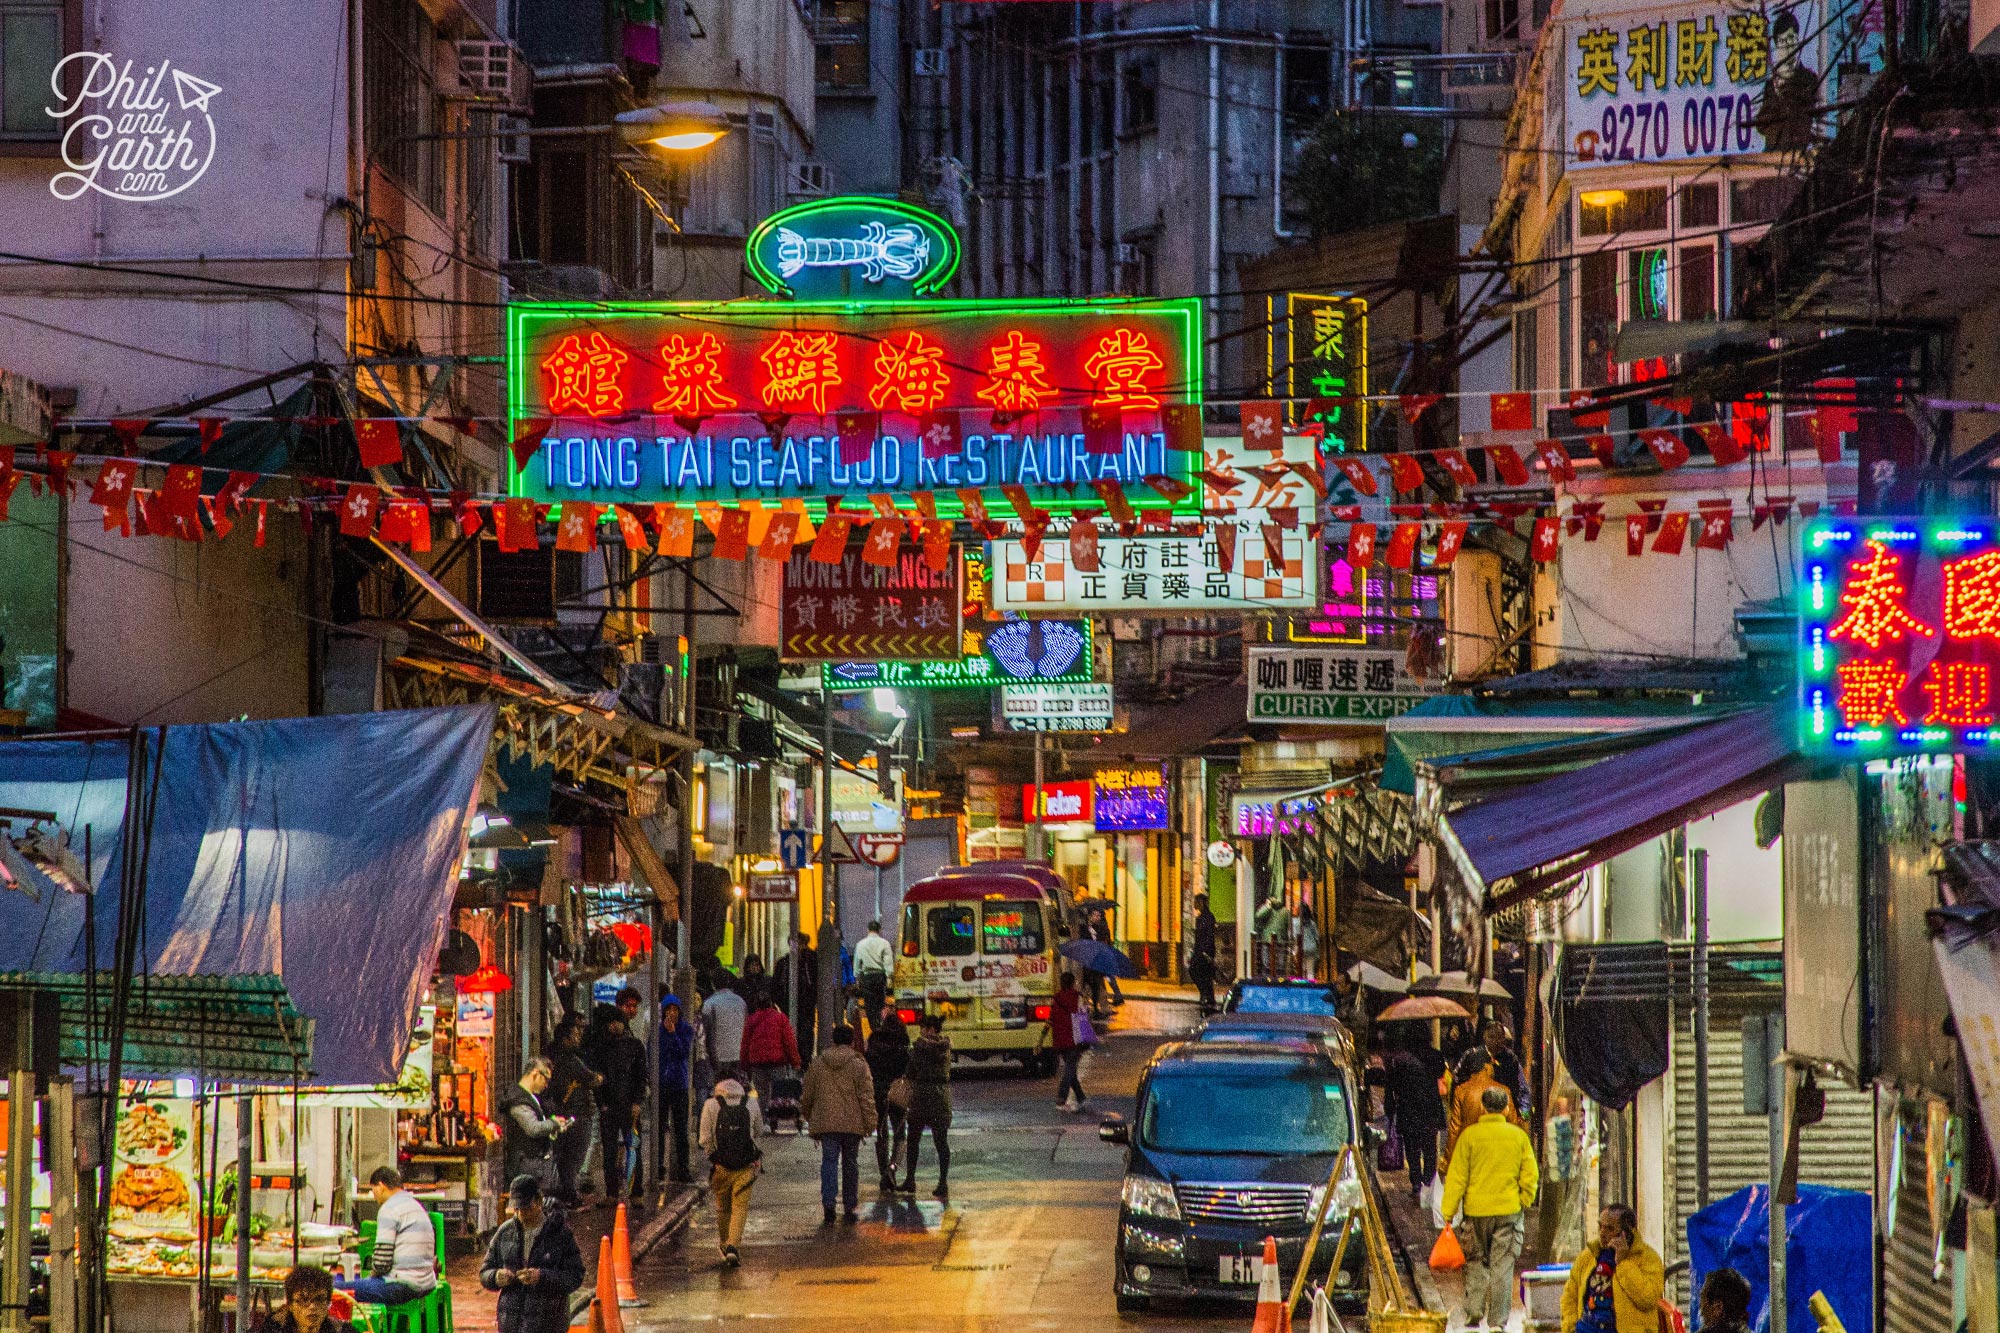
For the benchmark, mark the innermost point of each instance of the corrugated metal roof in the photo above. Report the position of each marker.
(232, 1029)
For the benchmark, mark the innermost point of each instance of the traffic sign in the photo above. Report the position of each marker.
(772, 886)
(794, 848)
(879, 849)
(839, 847)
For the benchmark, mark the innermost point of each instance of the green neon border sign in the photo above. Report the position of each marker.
(942, 266)
(953, 675)
(523, 318)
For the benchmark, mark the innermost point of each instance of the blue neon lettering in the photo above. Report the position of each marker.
(891, 469)
(628, 463)
(1082, 464)
(976, 470)
(576, 462)
(1030, 466)
(739, 462)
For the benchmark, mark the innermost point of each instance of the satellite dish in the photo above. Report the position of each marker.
(460, 955)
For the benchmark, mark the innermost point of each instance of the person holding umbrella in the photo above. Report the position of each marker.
(1097, 959)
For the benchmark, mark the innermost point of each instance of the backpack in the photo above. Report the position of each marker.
(734, 1148)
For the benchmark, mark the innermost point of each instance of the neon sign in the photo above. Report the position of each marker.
(1316, 348)
(729, 401)
(1899, 636)
(853, 247)
(1130, 800)
(1015, 652)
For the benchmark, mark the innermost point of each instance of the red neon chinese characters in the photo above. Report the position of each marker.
(802, 367)
(1972, 597)
(691, 377)
(1120, 366)
(1961, 695)
(585, 375)
(909, 375)
(1874, 598)
(1015, 381)
(1868, 692)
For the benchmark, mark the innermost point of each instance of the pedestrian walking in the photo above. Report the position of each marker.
(729, 1136)
(1615, 1285)
(722, 1017)
(1507, 1073)
(930, 1103)
(404, 1264)
(770, 1048)
(802, 1006)
(1475, 1076)
(533, 1262)
(1099, 929)
(527, 1131)
(755, 980)
(1411, 1076)
(888, 1063)
(308, 1297)
(1070, 1035)
(874, 964)
(573, 1092)
(620, 1058)
(839, 1106)
(1492, 1177)
(676, 1055)
(1201, 954)
(1725, 1302)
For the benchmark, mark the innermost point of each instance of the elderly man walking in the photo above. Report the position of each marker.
(1493, 1176)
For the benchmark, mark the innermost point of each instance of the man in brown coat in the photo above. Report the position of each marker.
(838, 1102)
(1466, 1101)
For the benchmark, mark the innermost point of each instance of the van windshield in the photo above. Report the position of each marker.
(1263, 1113)
(949, 932)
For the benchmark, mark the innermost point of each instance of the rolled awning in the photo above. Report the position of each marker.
(1514, 844)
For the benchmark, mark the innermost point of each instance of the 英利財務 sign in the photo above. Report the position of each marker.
(1331, 685)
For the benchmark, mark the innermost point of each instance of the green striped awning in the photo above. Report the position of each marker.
(233, 1029)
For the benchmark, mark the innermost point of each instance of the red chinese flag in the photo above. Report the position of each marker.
(926, 503)
(1083, 544)
(1457, 467)
(210, 429)
(780, 535)
(465, 512)
(1556, 459)
(1584, 413)
(1032, 529)
(396, 525)
(1309, 474)
(9, 479)
(676, 528)
(936, 536)
(1666, 446)
(1542, 540)
(831, 545)
(578, 531)
(1285, 516)
(418, 517)
(1605, 448)
(114, 483)
(1507, 461)
(1263, 426)
(380, 441)
(528, 433)
(631, 529)
(732, 534)
(1361, 545)
(1587, 517)
(1168, 488)
(357, 509)
(235, 490)
(514, 526)
(1512, 411)
(1181, 423)
(1403, 545)
(1451, 536)
(1414, 405)
(1357, 474)
(59, 461)
(1274, 544)
(1017, 496)
(128, 430)
(1405, 473)
(1225, 547)
(1680, 406)
(1716, 522)
(1820, 425)
(857, 432)
(1103, 430)
(940, 434)
(1672, 534)
(1721, 447)
(1113, 494)
(975, 505)
(1635, 534)
(182, 492)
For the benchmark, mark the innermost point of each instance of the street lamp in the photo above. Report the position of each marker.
(678, 127)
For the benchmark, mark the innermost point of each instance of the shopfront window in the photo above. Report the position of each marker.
(1010, 928)
(949, 932)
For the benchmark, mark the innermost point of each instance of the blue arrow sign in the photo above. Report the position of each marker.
(794, 848)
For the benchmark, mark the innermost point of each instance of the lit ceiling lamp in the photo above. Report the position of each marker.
(677, 127)
(492, 831)
(488, 979)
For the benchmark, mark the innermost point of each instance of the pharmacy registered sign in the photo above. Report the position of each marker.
(1331, 685)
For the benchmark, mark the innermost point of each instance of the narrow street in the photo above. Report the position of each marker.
(1025, 1242)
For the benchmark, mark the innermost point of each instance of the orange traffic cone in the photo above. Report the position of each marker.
(621, 1261)
(607, 1289)
(593, 1319)
(1272, 1316)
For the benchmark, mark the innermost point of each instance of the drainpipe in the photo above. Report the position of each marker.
(1214, 165)
(1278, 228)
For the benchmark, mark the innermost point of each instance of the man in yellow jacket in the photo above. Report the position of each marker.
(1616, 1283)
(1492, 1174)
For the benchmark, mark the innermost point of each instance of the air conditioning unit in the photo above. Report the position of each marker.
(516, 148)
(659, 649)
(810, 178)
(930, 62)
(495, 72)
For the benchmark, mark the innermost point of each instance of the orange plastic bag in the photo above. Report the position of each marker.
(1446, 1255)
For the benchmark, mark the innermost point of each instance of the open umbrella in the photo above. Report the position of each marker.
(1370, 977)
(1098, 956)
(1458, 985)
(1097, 904)
(1422, 1007)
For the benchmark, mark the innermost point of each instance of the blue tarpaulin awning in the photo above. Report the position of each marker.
(322, 851)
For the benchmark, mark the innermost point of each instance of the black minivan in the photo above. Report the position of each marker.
(1233, 1142)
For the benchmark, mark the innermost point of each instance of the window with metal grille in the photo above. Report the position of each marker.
(1503, 20)
(30, 46)
(401, 105)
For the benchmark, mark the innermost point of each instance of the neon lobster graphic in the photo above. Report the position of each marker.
(899, 252)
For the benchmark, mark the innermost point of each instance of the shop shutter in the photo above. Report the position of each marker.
(1840, 1150)
(1739, 1145)
(1911, 1301)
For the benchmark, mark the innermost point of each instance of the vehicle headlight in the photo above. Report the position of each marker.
(1150, 1197)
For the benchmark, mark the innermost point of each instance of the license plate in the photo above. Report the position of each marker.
(1241, 1269)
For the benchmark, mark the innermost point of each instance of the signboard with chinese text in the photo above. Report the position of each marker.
(1317, 347)
(860, 807)
(905, 611)
(1331, 685)
(1706, 80)
(1158, 574)
(1014, 652)
(1056, 707)
(1061, 803)
(677, 402)
(771, 886)
(1265, 490)
(1899, 636)
(1130, 800)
